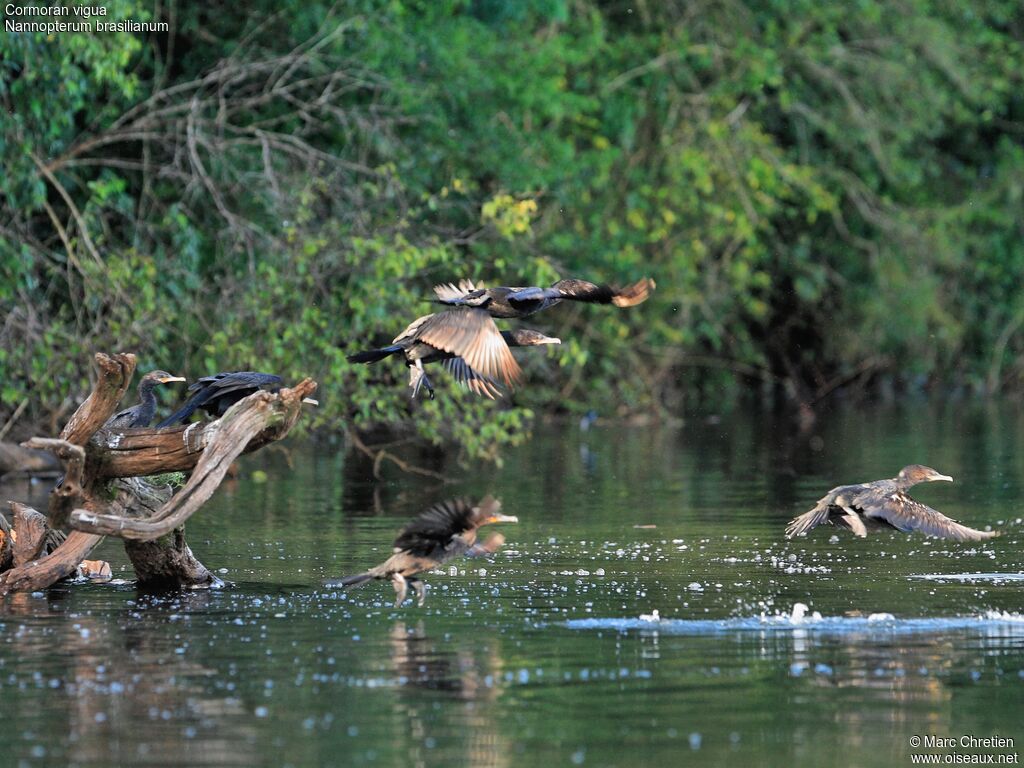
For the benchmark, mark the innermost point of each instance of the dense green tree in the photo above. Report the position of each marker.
(825, 193)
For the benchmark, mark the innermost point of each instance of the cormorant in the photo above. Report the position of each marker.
(509, 302)
(216, 394)
(141, 415)
(442, 533)
(469, 343)
(885, 504)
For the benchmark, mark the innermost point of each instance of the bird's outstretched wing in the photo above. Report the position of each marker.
(907, 515)
(465, 375)
(581, 290)
(223, 383)
(430, 533)
(452, 292)
(472, 335)
(411, 330)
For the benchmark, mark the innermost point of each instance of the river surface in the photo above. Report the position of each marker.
(643, 612)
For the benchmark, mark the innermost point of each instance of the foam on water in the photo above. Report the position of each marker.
(1003, 623)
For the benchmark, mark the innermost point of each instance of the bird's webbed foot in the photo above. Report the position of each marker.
(420, 588)
(399, 583)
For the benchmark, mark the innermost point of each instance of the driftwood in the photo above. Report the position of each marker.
(107, 489)
(16, 460)
(6, 545)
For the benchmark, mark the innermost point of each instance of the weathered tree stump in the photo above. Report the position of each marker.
(108, 488)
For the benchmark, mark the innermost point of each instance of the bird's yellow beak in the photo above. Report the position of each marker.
(169, 379)
(937, 476)
(551, 340)
(498, 518)
(310, 401)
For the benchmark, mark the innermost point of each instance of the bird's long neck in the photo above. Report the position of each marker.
(147, 399)
(904, 484)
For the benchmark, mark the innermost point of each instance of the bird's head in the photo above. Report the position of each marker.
(526, 337)
(161, 377)
(489, 511)
(918, 473)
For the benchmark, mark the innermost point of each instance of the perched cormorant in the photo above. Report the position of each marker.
(442, 533)
(469, 343)
(885, 504)
(509, 302)
(216, 394)
(141, 415)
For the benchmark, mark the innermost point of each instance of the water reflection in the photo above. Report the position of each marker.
(122, 686)
(274, 670)
(465, 673)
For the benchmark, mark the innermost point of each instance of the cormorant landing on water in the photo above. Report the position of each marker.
(141, 415)
(442, 533)
(885, 504)
(507, 302)
(469, 343)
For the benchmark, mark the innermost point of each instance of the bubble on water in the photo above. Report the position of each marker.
(695, 739)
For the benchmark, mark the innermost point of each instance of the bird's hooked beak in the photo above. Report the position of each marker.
(936, 476)
(551, 340)
(499, 518)
(310, 401)
(169, 379)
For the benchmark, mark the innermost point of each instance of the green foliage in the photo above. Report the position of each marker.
(820, 191)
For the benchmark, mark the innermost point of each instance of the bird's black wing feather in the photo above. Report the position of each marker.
(432, 532)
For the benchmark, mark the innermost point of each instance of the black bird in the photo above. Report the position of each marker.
(216, 394)
(507, 302)
(885, 504)
(483, 352)
(442, 533)
(141, 415)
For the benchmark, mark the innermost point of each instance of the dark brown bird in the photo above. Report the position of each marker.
(507, 302)
(141, 415)
(216, 394)
(885, 504)
(469, 344)
(442, 533)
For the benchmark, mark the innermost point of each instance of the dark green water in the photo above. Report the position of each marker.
(538, 656)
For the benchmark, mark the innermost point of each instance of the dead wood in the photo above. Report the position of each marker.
(6, 545)
(30, 531)
(260, 418)
(17, 459)
(51, 568)
(106, 491)
(69, 490)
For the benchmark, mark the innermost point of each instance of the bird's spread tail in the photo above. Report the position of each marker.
(350, 581)
(373, 355)
(805, 522)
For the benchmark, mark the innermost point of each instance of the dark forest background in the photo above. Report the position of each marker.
(829, 196)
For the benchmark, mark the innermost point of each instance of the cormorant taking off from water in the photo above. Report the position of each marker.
(141, 415)
(216, 394)
(469, 343)
(442, 533)
(885, 504)
(508, 302)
